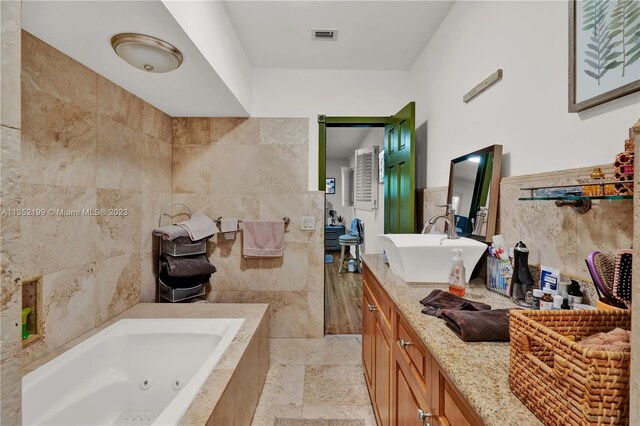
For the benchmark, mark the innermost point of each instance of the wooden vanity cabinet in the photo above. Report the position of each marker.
(376, 347)
(406, 384)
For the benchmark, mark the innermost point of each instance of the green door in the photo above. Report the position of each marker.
(399, 182)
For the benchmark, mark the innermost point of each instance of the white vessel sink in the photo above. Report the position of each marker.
(426, 258)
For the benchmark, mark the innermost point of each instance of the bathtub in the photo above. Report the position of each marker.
(134, 372)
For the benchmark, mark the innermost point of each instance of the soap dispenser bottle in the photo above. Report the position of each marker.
(457, 276)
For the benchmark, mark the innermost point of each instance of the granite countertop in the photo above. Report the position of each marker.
(479, 370)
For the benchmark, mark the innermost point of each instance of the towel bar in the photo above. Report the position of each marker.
(285, 219)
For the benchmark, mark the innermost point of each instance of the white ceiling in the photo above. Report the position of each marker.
(373, 35)
(83, 29)
(342, 141)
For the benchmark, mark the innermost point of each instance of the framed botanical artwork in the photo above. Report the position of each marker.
(331, 186)
(604, 51)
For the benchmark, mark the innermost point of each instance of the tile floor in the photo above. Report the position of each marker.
(315, 379)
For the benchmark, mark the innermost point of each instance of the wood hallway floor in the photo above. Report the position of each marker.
(343, 299)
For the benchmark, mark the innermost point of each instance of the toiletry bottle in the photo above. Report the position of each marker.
(457, 276)
(546, 303)
(557, 302)
(522, 281)
(25, 313)
(565, 304)
(537, 295)
(575, 294)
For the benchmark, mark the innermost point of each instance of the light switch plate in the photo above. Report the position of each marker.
(308, 223)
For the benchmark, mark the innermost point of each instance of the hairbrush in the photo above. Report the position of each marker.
(623, 276)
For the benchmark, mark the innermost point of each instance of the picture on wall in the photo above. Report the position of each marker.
(604, 51)
(331, 186)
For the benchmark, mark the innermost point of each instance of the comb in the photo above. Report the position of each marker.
(622, 277)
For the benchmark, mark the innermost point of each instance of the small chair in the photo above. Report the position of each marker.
(354, 238)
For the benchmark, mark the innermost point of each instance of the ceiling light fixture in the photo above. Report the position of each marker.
(146, 53)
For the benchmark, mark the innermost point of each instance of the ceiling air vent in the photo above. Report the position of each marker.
(324, 34)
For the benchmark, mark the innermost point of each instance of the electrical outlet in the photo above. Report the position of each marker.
(308, 223)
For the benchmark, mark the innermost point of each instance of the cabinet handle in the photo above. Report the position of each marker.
(372, 307)
(404, 343)
(424, 417)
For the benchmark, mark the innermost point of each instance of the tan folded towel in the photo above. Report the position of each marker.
(263, 238)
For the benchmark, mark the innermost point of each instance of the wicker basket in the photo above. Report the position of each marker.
(561, 382)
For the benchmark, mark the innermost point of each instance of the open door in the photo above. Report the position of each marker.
(399, 164)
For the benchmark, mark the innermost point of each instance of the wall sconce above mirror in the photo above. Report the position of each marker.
(474, 183)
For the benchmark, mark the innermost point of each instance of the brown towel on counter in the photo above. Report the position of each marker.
(479, 326)
(187, 266)
(438, 300)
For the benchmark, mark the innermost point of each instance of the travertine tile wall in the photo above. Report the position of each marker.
(557, 237)
(87, 144)
(10, 244)
(256, 168)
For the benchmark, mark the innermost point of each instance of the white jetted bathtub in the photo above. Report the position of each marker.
(134, 372)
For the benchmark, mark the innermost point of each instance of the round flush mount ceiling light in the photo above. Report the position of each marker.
(146, 53)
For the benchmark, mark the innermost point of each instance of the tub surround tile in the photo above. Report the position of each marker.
(117, 285)
(334, 385)
(284, 131)
(11, 244)
(190, 170)
(151, 206)
(287, 273)
(315, 314)
(235, 131)
(288, 351)
(119, 232)
(218, 385)
(156, 123)
(58, 141)
(119, 105)
(156, 164)
(118, 155)
(46, 238)
(191, 131)
(46, 69)
(11, 391)
(148, 277)
(10, 47)
(283, 169)
(70, 308)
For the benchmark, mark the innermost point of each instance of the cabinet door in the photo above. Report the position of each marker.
(407, 405)
(368, 331)
(382, 375)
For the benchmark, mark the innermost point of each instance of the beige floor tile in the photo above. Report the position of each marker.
(364, 412)
(334, 350)
(266, 414)
(334, 385)
(288, 351)
(284, 385)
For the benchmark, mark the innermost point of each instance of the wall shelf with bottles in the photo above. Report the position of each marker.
(580, 196)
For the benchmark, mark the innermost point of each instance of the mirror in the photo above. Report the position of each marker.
(474, 182)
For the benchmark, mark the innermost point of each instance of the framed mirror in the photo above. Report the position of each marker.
(474, 183)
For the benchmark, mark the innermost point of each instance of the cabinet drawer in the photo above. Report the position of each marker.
(381, 297)
(411, 346)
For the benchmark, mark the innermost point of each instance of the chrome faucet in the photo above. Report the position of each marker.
(449, 219)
